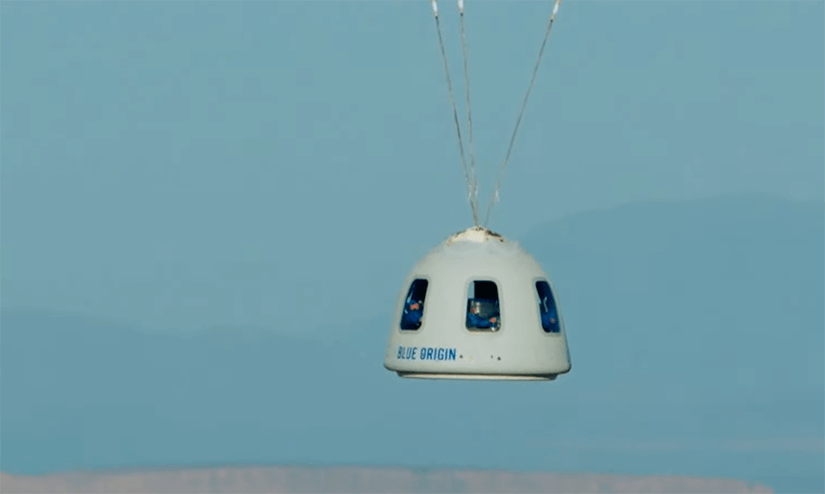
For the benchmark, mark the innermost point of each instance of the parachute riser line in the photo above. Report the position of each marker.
(495, 195)
(466, 57)
(469, 179)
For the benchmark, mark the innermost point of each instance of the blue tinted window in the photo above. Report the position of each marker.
(414, 305)
(547, 308)
(483, 311)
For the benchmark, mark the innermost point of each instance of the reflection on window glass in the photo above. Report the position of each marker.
(414, 305)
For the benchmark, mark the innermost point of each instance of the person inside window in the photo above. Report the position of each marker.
(411, 319)
(547, 307)
(476, 320)
(414, 305)
(549, 317)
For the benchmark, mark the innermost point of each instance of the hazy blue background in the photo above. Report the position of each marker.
(249, 167)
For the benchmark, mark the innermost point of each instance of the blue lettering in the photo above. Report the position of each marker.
(406, 353)
(427, 353)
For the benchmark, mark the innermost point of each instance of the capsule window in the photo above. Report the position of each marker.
(414, 305)
(547, 308)
(483, 308)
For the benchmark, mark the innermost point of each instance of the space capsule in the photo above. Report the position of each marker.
(478, 306)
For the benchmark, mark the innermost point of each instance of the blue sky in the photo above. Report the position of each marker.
(180, 164)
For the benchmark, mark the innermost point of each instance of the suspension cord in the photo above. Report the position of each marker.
(494, 198)
(455, 116)
(473, 176)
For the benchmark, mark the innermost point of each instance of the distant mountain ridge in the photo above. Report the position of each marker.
(361, 479)
(692, 326)
(739, 265)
